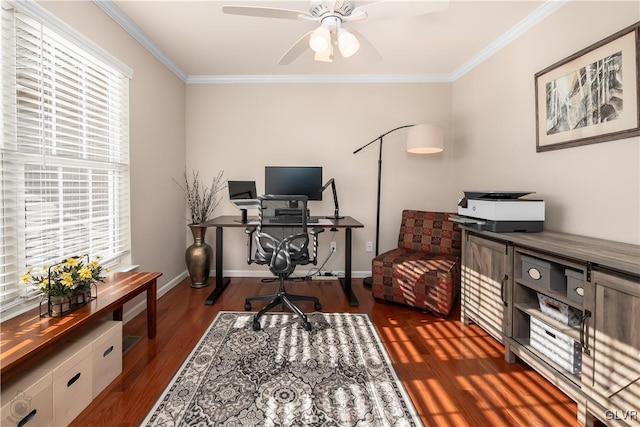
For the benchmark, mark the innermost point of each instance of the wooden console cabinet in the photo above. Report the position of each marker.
(586, 341)
(486, 264)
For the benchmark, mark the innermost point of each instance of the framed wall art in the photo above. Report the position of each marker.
(592, 96)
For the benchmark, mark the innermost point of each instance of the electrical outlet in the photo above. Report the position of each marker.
(369, 246)
(333, 246)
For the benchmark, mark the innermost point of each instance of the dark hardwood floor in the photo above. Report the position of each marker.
(455, 374)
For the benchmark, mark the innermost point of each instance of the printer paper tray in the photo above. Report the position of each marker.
(499, 226)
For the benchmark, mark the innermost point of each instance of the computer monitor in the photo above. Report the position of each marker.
(294, 180)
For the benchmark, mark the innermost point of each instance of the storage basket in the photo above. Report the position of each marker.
(559, 347)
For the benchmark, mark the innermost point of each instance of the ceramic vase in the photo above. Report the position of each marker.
(198, 257)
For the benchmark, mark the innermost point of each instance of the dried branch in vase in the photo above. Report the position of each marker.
(202, 201)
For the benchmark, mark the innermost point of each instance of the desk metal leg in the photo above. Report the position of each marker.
(221, 282)
(346, 281)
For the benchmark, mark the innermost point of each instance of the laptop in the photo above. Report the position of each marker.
(243, 194)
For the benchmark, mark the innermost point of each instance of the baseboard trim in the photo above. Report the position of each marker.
(265, 272)
(141, 306)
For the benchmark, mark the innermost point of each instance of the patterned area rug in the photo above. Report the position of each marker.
(336, 375)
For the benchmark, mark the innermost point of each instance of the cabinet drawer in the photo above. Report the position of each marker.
(72, 379)
(28, 400)
(106, 353)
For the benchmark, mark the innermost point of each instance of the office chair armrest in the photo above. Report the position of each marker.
(314, 232)
(250, 231)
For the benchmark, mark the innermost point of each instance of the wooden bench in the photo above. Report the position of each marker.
(27, 338)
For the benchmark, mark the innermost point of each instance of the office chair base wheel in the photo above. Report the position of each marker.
(247, 306)
(317, 306)
(256, 325)
(306, 326)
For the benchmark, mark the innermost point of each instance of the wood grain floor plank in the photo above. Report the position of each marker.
(455, 374)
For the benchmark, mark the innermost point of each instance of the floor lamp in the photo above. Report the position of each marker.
(421, 139)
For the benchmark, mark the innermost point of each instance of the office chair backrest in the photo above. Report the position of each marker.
(282, 239)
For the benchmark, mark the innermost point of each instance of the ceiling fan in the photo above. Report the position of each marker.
(332, 16)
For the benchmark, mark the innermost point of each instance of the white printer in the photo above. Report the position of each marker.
(500, 211)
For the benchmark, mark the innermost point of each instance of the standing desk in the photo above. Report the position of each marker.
(233, 221)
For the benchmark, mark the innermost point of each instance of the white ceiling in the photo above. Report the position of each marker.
(200, 43)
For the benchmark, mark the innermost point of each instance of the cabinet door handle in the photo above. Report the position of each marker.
(503, 287)
(23, 422)
(107, 352)
(584, 336)
(75, 378)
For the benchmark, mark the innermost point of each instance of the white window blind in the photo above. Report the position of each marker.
(64, 154)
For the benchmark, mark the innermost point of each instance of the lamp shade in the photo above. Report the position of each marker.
(347, 43)
(425, 139)
(320, 39)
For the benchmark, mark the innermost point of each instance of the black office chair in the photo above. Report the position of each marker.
(282, 242)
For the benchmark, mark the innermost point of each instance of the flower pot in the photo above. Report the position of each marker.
(59, 305)
(81, 296)
(198, 257)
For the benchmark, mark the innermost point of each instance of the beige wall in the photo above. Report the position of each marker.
(488, 115)
(157, 129)
(592, 190)
(243, 128)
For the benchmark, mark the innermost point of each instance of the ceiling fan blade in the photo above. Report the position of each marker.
(367, 51)
(389, 9)
(265, 12)
(332, 5)
(296, 50)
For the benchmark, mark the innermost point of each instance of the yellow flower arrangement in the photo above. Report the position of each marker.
(67, 277)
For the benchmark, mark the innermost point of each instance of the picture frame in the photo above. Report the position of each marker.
(591, 96)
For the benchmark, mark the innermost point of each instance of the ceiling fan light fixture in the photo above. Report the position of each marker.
(326, 56)
(320, 39)
(347, 43)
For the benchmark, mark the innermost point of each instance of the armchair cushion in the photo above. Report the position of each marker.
(424, 270)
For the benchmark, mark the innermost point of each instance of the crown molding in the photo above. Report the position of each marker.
(130, 27)
(320, 78)
(513, 33)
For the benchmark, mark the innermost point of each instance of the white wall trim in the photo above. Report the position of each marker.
(130, 27)
(322, 78)
(513, 33)
(141, 306)
(266, 273)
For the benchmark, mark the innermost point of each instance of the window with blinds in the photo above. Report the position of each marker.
(64, 155)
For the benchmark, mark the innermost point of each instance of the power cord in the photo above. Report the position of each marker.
(316, 270)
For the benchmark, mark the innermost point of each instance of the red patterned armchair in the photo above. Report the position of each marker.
(424, 270)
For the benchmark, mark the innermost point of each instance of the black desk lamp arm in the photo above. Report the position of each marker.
(336, 212)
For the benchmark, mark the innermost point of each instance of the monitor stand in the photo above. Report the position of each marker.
(243, 216)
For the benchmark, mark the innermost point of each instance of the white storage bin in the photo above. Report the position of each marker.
(555, 345)
(72, 381)
(106, 353)
(543, 273)
(560, 311)
(28, 400)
